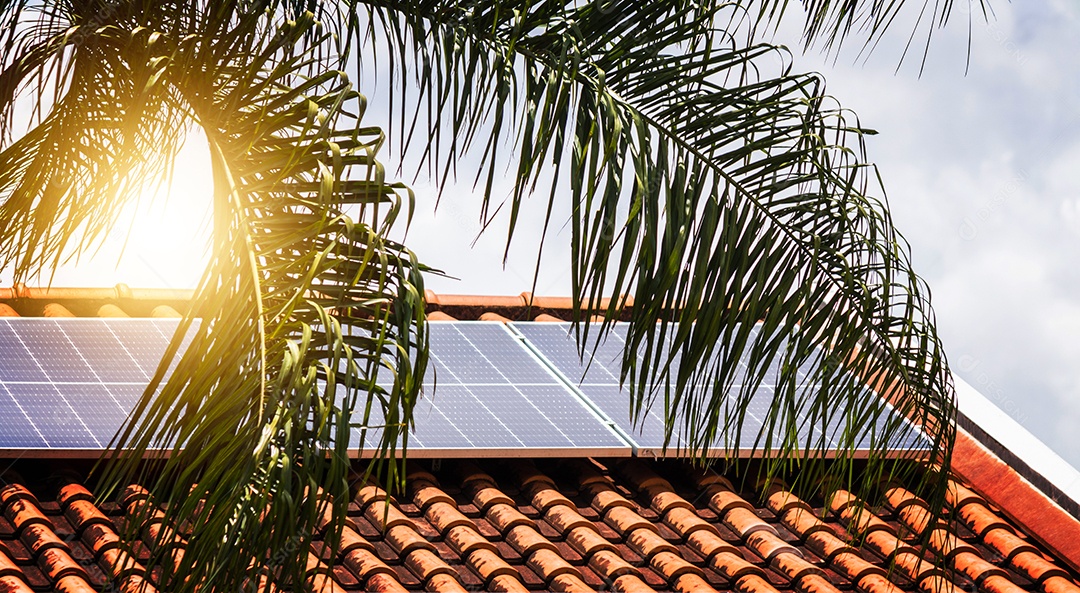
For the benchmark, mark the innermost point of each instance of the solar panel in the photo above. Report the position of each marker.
(69, 384)
(597, 378)
(486, 392)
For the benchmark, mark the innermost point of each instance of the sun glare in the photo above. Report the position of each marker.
(160, 241)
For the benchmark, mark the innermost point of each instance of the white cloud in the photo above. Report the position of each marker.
(982, 175)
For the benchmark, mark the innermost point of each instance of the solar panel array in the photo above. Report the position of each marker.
(491, 389)
(597, 376)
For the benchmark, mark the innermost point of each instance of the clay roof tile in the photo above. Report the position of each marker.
(439, 316)
(648, 543)
(604, 498)
(550, 565)
(545, 498)
(1032, 564)
(708, 544)
(487, 496)
(958, 495)
(56, 310)
(629, 583)
(526, 540)
(365, 564)
(1060, 584)
(488, 564)
(685, 521)
(877, 583)
(74, 584)
(444, 516)
(624, 520)
(570, 583)
(444, 583)
(781, 501)
(825, 544)
(8, 566)
(505, 517)
(753, 583)
(768, 545)
(544, 317)
(13, 492)
(425, 564)
(588, 542)
(57, 563)
(722, 500)
(466, 540)
(404, 539)
(427, 494)
(384, 583)
(111, 310)
(734, 567)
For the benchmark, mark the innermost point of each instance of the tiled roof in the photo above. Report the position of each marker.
(569, 525)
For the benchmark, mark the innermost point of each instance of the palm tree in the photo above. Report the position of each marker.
(706, 177)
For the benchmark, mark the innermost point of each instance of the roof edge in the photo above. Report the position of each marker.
(1019, 499)
(1001, 433)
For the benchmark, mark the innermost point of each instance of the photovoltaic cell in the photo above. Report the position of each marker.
(69, 384)
(485, 391)
(597, 378)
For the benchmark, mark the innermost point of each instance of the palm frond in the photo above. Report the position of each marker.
(727, 193)
(723, 190)
(302, 306)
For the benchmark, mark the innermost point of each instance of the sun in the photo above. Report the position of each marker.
(161, 240)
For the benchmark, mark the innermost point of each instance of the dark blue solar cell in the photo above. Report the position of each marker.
(77, 380)
(459, 358)
(435, 430)
(472, 418)
(145, 341)
(104, 349)
(16, 362)
(96, 407)
(597, 377)
(17, 431)
(490, 392)
(52, 350)
(57, 422)
(127, 395)
(525, 420)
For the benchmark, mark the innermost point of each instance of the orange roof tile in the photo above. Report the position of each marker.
(565, 525)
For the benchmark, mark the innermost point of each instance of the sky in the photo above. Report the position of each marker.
(982, 172)
(983, 177)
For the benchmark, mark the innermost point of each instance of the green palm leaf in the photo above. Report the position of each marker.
(302, 306)
(705, 177)
(709, 181)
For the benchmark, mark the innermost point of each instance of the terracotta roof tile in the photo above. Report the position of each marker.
(111, 310)
(566, 526)
(56, 310)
